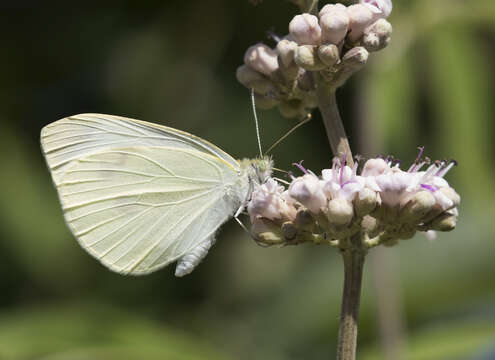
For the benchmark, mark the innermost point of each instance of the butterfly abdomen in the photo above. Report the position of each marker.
(188, 262)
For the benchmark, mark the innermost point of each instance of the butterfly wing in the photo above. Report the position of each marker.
(79, 135)
(139, 208)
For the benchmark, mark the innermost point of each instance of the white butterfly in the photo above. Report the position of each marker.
(138, 196)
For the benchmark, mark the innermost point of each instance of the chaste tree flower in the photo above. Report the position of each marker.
(383, 201)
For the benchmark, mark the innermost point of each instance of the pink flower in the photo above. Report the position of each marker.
(308, 191)
(268, 201)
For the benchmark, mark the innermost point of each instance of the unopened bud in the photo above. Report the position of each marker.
(365, 202)
(331, 7)
(286, 51)
(375, 167)
(306, 81)
(265, 102)
(444, 222)
(339, 212)
(304, 220)
(329, 54)
(267, 232)
(377, 35)
(289, 231)
(370, 225)
(290, 72)
(451, 194)
(334, 25)
(290, 108)
(308, 191)
(418, 206)
(380, 8)
(246, 75)
(305, 29)
(356, 57)
(407, 234)
(307, 58)
(360, 17)
(261, 58)
(309, 101)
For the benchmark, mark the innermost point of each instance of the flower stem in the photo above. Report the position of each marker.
(327, 102)
(355, 252)
(353, 275)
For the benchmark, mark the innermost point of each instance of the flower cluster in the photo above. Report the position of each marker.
(383, 202)
(334, 44)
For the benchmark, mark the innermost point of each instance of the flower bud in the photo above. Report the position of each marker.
(307, 190)
(290, 108)
(331, 7)
(307, 58)
(375, 167)
(339, 212)
(309, 100)
(286, 51)
(304, 220)
(329, 54)
(418, 206)
(334, 25)
(356, 57)
(370, 225)
(407, 234)
(266, 232)
(430, 234)
(305, 29)
(360, 17)
(261, 58)
(289, 231)
(290, 72)
(444, 222)
(246, 75)
(377, 35)
(265, 102)
(451, 194)
(305, 81)
(365, 202)
(380, 8)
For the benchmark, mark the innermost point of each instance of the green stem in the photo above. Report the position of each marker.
(327, 102)
(353, 275)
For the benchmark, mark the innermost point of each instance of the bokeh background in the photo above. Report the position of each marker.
(174, 62)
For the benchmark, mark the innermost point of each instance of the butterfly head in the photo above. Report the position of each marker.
(259, 169)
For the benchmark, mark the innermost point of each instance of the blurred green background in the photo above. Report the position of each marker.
(174, 62)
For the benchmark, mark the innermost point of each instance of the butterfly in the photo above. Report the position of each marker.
(138, 196)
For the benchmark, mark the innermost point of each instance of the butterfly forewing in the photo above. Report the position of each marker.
(80, 135)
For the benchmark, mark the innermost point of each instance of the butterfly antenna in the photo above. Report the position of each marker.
(306, 119)
(253, 103)
(282, 171)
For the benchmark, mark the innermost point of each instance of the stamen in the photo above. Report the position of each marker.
(413, 167)
(342, 173)
(446, 169)
(359, 157)
(354, 169)
(430, 188)
(343, 161)
(270, 34)
(300, 167)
